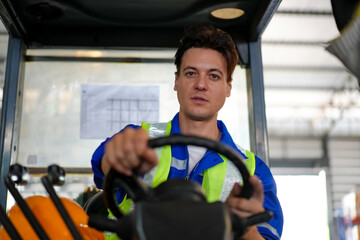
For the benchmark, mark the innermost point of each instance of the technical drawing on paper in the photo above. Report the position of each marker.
(106, 109)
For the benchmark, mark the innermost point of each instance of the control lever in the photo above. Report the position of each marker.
(56, 176)
(239, 225)
(19, 173)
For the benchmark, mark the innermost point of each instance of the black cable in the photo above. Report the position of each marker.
(60, 207)
(25, 209)
(8, 226)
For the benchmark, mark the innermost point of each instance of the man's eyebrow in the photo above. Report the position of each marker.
(216, 70)
(189, 67)
(211, 70)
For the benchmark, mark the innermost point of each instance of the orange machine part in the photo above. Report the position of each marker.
(50, 219)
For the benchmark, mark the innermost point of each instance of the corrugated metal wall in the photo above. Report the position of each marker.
(292, 155)
(295, 152)
(344, 154)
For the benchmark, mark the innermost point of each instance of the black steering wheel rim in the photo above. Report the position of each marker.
(176, 139)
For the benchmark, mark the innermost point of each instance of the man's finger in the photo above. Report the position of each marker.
(140, 141)
(236, 190)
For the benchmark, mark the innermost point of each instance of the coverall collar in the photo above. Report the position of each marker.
(180, 152)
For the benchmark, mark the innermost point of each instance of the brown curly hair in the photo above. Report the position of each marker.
(204, 36)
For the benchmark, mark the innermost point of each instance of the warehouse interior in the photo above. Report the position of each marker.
(312, 110)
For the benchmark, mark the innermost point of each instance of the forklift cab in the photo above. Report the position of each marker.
(120, 26)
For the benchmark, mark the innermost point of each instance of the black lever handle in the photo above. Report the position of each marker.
(19, 174)
(10, 184)
(8, 226)
(240, 225)
(56, 175)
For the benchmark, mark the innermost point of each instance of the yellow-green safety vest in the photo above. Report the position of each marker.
(217, 181)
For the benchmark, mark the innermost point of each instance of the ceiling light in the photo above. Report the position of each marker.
(227, 13)
(93, 54)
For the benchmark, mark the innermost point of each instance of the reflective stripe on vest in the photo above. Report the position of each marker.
(217, 181)
(159, 173)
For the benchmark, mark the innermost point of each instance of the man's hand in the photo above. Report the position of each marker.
(127, 151)
(247, 207)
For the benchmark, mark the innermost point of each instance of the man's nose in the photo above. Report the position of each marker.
(201, 82)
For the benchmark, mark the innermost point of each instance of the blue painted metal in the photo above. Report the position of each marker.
(265, 12)
(13, 74)
(256, 102)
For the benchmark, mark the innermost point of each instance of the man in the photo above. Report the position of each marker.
(205, 61)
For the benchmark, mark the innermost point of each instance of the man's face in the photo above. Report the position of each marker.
(201, 84)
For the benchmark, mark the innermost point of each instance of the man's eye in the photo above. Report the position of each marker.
(190, 73)
(214, 76)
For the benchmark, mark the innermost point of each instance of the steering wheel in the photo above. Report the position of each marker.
(138, 191)
(177, 205)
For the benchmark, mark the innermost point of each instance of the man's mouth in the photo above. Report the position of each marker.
(199, 99)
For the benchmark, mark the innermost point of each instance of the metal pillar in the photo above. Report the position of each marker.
(256, 102)
(325, 164)
(13, 75)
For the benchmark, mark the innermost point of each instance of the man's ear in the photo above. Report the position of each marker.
(176, 79)
(228, 88)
